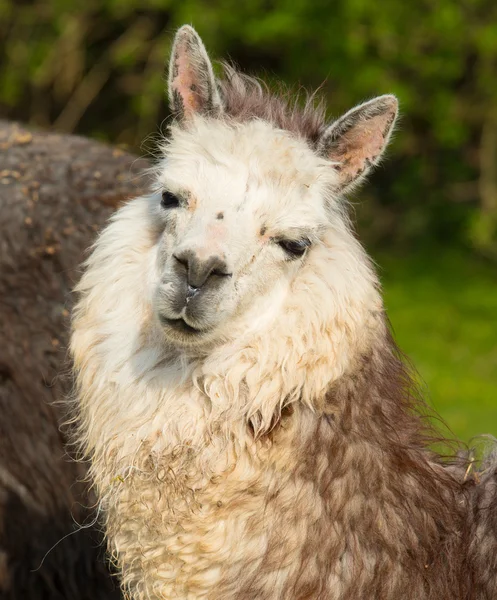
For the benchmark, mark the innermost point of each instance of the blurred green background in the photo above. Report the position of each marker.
(429, 214)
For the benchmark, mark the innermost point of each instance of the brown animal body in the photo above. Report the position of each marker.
(252, 429)
(54, 192)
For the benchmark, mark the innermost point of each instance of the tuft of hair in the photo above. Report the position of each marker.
(246, 98)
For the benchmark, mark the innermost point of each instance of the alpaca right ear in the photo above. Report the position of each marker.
(356, 142)
(192, 85)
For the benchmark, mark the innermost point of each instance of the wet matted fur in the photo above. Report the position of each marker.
(252, 429)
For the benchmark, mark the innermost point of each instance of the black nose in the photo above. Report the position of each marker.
(198, 271)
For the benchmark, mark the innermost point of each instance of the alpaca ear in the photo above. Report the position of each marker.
(192, 85)
(357, 140)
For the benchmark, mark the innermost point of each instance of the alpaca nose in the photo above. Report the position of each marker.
(198, 271)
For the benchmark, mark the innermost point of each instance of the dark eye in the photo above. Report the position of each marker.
(169, 200)
(295, 248)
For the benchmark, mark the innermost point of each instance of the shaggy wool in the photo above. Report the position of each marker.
(253, 431)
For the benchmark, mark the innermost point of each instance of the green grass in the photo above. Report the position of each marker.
(443, 308)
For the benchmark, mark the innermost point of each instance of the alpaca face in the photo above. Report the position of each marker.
(244, 202)
(242, 208)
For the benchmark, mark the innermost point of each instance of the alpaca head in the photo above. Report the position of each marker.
(242, 203)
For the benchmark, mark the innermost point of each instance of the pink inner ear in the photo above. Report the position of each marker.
(361, 145)
(185, 83)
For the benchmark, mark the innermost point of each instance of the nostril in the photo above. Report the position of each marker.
(220, 273)
(197, 271)
(183, 260)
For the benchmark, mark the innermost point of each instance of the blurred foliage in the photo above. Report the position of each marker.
(95, 67)
(443, 314)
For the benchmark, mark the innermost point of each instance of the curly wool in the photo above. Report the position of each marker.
(286, 461)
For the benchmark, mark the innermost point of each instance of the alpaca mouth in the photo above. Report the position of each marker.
(180, 325)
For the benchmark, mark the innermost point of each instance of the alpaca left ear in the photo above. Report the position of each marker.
(192, 85)
(357, 140)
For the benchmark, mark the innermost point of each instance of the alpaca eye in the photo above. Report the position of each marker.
(295, 248)
(169, 200)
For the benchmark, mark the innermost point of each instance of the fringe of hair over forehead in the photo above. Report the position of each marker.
(246, 98)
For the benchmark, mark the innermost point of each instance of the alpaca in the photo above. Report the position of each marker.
(252, 429)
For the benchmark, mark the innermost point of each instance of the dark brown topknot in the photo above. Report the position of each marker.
(247, 98)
